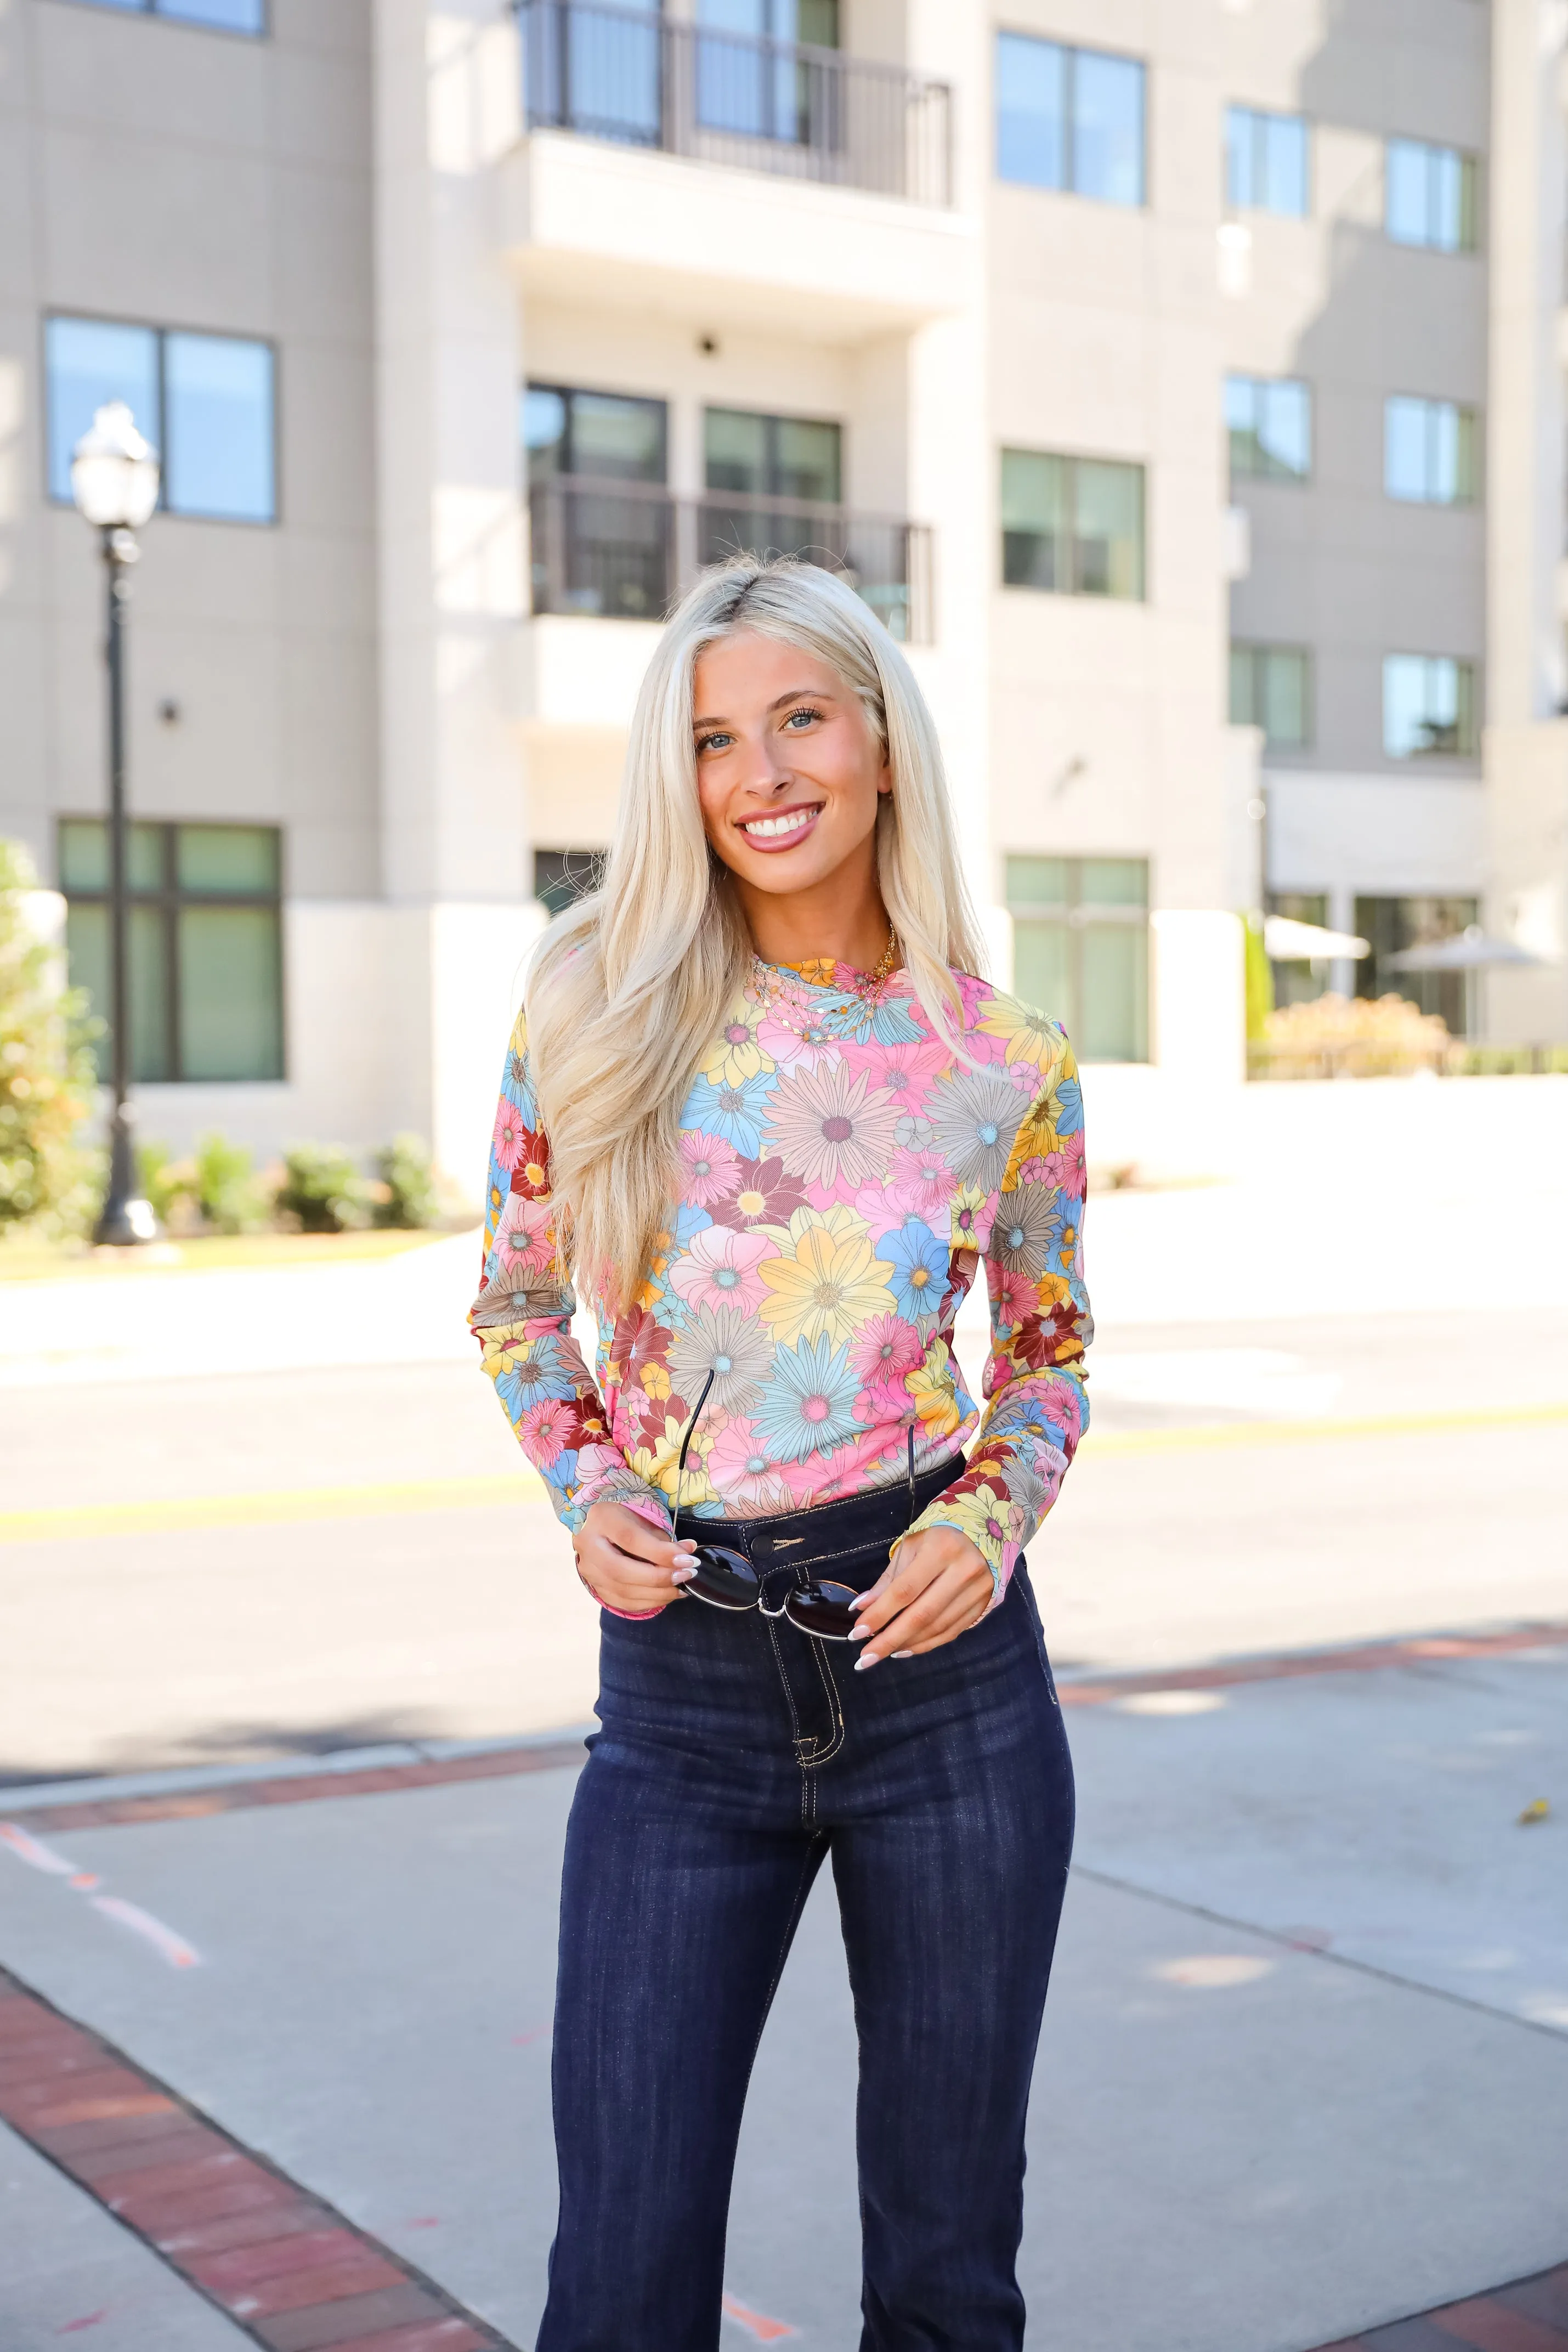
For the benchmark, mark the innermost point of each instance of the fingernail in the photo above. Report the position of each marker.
(904, 1653)
(860, 1601)
(863, 1634)
(870, 1659)
(682, 1576)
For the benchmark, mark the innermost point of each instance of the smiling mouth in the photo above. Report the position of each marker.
(777, 832)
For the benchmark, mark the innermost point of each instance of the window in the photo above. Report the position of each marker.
(204, 401)
(1081, 949)
(1271, 426)
(752, 84)
(206, 961)
(1301, 983)
(1429, 196)
(1265, 161)
(773, 456)
(221, 16)
(1074, 525)
(1428, 705)
(1070, 119)
(1272, 688)
(1428, 451)
(600, 520)
(562, 876)
(1391, 925)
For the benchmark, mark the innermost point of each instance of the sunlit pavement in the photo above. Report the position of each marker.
(1306, 2062)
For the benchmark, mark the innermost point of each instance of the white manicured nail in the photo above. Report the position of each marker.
(870, 1659)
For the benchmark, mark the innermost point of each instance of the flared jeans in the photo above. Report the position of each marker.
(735, 1753)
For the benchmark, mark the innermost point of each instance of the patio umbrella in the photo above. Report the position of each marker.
(1466, 950)
(1287, 941)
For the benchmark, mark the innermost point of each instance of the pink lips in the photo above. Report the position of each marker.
(769, 843)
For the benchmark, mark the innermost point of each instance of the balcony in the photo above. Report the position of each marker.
(650, 81)
(611, 550)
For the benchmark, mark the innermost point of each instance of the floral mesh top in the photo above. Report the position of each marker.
(841, 1179)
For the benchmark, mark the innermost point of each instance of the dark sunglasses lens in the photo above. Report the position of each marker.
(823, 1609)
(726, 1577)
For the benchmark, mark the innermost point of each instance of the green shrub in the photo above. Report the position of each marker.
(407, 1188)
(232, 1198)
(47, 1076)
(1260, 978)
(322, 1190)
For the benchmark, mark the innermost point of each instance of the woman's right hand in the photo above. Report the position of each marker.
(627, 1564)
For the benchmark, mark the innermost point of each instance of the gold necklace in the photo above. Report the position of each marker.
(777, 993)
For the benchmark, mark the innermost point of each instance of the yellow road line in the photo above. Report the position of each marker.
(524, 1485)
(1219, 1435)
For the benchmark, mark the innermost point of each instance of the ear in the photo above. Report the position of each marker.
(884, 781)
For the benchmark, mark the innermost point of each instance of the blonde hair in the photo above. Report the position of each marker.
(627, 988)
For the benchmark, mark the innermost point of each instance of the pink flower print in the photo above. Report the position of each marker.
(544, 1430)
(526, 1237)
(511, 1138)
(900, 1074)
(1017, 1299)
(922, 1183)
(720, 1268)
(886, 1351)
(710, 1170)
(739, 1467)
(881, 1402)
(1064, 1166)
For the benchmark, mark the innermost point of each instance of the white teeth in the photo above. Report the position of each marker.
(770, 827)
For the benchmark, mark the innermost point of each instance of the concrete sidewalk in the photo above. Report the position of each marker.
(1306, 2068)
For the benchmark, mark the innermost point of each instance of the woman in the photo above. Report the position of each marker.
(786, 1122)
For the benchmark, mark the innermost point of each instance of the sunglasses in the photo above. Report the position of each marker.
(726, 1578)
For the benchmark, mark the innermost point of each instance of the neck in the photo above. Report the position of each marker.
(843, 916)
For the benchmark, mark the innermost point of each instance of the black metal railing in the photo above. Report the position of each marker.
(651, 80)
(624, 551)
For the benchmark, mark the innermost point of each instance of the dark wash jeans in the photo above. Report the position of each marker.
(735, 1753)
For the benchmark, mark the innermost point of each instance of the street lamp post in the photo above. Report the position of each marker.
(114, 481)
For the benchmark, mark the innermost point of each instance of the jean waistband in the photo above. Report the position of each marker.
(824, 1530)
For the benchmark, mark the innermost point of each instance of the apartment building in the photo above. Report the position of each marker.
(1145, 367)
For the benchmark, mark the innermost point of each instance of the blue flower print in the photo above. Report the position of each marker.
(1067, 1098)
(919, 1263)
(808, 1407)
(736, 1113)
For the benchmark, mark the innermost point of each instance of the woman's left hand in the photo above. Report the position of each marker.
(935, 1587)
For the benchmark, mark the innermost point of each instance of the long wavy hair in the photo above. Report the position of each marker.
(627, 988)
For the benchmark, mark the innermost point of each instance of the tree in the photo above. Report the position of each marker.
(47, 1079)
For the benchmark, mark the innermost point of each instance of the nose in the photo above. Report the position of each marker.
(761, 770)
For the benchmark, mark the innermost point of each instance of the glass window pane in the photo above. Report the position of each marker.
(1037, 882)
(1241, 423)
(813, 22)
(1108, 127)
(231, 1012)
(1442, 452)
(612, 83)
(544, 431)
(219, 407)
(1427, 705)
(226, 16)
(1031, 108)
(1042, 964)
(87, 961)
(1404, 447)
(1113, 1020)
(84, 855)
(1238, 172)
(242, 859)
(1446, 199)
(735, 450)
(1285, 678)
(89, 362)
(1285, 431)
(1285, 164)
(806, 460)
(617, 439)
(1034, 520)
(1113, 882)
(1243, 686)
(1405, 192)
(1108, 528)
(1464, 455)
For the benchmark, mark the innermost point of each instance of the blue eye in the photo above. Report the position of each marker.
(807, 715)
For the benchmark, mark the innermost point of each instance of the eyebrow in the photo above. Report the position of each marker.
(796, 694)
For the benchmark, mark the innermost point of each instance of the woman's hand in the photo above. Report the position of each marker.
(627, 1564)
(936, 1586)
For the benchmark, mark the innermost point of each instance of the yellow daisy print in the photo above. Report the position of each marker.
(736, 1054)
(1029, 1036)
(830, 1285)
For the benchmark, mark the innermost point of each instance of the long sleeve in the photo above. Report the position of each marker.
(1037, 1402)
(522, 1319)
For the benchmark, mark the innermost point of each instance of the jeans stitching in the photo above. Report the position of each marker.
(831, 1688)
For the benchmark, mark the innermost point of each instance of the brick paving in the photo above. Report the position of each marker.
(1532, 2315)
(279, 2261)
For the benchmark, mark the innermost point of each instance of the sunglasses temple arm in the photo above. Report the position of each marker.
(911, 1476)
(686, 1444)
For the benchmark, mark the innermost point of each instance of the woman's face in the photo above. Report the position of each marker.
(789, 771)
